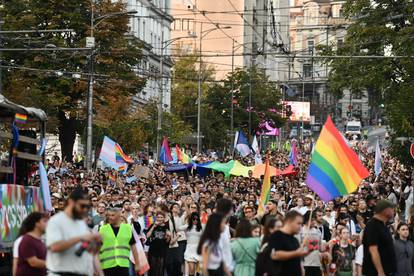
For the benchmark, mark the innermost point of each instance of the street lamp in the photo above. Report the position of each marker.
(233, 49)
(202, 35)
(90, 43)
(164, 44)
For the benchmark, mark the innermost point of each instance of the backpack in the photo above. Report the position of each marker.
(265, 266)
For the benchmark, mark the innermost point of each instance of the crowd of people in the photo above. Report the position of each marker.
(106, 223)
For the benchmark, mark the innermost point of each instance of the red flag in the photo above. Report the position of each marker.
(178, 151)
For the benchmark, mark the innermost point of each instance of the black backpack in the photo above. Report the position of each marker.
(265, 266)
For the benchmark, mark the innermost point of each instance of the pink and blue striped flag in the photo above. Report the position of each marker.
(111, 155)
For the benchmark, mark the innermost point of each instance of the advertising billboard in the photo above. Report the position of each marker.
(299, 110)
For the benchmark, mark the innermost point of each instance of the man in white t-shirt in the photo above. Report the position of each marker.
(66, 233)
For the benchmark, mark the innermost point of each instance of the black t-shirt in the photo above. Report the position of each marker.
(158, 244)
(280, 241)
(377, 233)
(116, 230)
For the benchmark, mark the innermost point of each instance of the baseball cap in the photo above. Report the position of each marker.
(382, 205)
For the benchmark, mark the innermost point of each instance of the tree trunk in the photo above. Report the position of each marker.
(67, 135)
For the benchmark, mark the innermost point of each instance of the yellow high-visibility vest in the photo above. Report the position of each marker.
(115, 250)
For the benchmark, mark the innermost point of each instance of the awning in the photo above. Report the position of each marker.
(9, 109)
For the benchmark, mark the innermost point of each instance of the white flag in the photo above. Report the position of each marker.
(257, 156)
(378, 166)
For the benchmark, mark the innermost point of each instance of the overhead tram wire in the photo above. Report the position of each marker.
(216, 24)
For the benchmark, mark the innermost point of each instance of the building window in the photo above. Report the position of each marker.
(341, 13)
(311, 46)
(339, 43)
(186, 24)
(307, 70)
(177, 24)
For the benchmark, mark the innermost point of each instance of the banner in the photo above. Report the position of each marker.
(16, 202)
(299, 110)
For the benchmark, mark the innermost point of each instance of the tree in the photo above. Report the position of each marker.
(172, 125)
(184, 86)
(383, 28)
(265, 99)
(52, 86)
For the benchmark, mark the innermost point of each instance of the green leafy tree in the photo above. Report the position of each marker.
(380, 29)
(265, 104)
(172, 125)
(184, 86)
(53, 86)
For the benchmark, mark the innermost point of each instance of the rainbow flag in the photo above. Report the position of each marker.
(185, 159)
(120, 156)
(111, 177)
(20, 118)
(335, 169)
(265, 193)
(181, 156)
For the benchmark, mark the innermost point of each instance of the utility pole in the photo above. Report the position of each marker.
(88, 159)
(202, 35)
(1, 60)
(250, 93)
(160, 97)
(232, 96)
(199, 94)
(90, 43)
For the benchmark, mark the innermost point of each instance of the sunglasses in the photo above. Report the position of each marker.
(195, 219)
(84, 206)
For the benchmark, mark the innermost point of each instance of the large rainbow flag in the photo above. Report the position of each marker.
(265, 193)
(335, 169)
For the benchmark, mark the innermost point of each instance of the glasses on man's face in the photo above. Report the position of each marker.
(193, 207)
(94, 200)
(84, 206)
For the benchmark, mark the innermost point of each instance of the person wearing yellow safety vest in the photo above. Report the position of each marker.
(117, 243)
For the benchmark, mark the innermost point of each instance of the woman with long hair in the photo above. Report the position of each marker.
(175, 255)
(271, 226)
(404, 250)
(147, 220)
(211, 248)
(245, 248)
(193, 234)
(32, 250)
(16, 244)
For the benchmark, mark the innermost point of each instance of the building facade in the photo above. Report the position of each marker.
(152, 25)
(266, 35)
(314, 23)
(219, 25)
